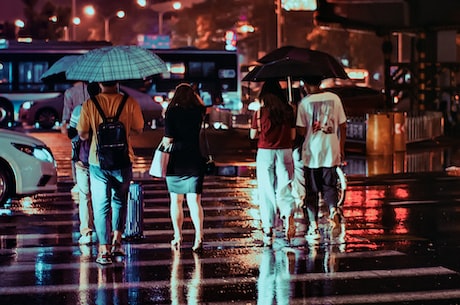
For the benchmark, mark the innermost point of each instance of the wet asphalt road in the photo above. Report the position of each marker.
(400, 243)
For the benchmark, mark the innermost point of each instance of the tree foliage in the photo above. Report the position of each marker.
(39, 25)
(359, 49)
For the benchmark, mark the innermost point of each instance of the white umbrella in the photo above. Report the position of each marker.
(116, 63)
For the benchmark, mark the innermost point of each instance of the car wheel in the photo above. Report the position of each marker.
(46, 118)
(6, 184)
(6, 113)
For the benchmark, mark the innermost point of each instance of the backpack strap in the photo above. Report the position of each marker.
(120, 107)
(101, 112)
(99, 109)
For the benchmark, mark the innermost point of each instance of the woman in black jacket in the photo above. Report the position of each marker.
(185, 173)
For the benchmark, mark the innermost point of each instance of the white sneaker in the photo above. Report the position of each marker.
(85, 239)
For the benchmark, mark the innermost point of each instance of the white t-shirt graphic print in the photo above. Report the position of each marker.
(323, 119)
(321, 113)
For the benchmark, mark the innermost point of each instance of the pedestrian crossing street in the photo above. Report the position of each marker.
(42, 263)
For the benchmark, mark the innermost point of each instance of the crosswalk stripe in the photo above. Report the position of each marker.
(203, 282)
(232, 199)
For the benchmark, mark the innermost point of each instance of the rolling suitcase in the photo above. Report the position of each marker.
(135, 212)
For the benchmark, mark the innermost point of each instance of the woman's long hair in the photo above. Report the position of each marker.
(185, 97)
(275, 101)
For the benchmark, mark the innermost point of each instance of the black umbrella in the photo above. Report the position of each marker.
(292, 63)
(283, 68)
(328, 65)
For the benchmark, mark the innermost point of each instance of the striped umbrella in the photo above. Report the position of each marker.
(116, 63)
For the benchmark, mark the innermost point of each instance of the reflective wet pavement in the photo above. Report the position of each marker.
(399, 245)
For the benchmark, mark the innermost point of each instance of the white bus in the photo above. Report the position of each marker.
(21, 67)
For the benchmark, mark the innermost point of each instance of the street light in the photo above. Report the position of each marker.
(19, 25)
(90, 11)
(120, 14)
(168, 6)
(162, 8)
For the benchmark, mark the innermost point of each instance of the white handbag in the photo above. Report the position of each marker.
(160, 161)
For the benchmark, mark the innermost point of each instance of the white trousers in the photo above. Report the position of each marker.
(298, 181)
(274, 170)
(85, 209)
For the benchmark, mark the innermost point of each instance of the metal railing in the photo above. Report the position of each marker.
(416, 128)
(424, 127)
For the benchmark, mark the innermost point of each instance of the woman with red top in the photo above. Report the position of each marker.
(274, 123)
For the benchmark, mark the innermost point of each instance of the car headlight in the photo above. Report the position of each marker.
(27, 105)
(42, 153)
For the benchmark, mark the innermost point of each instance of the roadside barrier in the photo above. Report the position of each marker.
(386, 133)
(424, 127)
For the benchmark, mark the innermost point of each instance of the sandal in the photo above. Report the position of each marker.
(198, 246)
(104, 258)
(117, 250)
(175, 243)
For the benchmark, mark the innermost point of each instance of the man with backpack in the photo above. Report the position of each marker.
(110, 162)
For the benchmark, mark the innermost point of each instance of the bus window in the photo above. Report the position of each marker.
(5, 75)
(175, 71)
(29, 75)
(227, 73)
(216, 70)
(203, 69)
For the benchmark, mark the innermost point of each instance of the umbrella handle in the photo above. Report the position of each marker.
(289, 85)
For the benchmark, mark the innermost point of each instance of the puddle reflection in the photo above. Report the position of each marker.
(84, 295)
(274, 284)
(280, 270)
(110, 286)
(185, 291)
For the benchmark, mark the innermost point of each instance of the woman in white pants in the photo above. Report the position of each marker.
(274, 122)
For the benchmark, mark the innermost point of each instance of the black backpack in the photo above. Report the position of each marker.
(112, 142)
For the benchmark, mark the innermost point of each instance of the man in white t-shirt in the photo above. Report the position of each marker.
(322, 121)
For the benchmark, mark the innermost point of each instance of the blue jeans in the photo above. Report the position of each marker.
(109, 193)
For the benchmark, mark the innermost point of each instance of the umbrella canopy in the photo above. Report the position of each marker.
(328, 65)
(116, 63)
(290, 63)
(283, 68)
(57, 71)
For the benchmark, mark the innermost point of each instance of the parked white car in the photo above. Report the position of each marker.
(27, 166)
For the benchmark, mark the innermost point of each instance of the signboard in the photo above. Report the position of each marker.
(154, 41)
(298, 5)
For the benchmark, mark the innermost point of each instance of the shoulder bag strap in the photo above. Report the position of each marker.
(206, 142)
(259, 128)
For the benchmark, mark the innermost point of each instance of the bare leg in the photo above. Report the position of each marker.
(177, 217)
(117, 237)
(196, 213)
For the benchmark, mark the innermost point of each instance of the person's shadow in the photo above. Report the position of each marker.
(185, 291)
